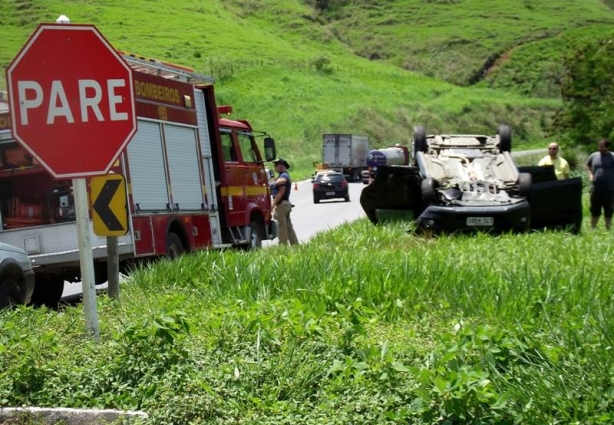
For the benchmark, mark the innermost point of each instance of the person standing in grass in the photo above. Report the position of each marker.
(561, 167)
(280, 190)
(600, 167)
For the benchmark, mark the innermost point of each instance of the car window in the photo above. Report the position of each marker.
(228, 150)
(329, 177)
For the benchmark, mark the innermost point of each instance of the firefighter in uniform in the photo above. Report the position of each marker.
(280, 190)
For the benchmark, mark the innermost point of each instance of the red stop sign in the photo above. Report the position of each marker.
(72, 100)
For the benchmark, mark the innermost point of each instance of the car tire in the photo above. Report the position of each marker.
(174, 246)
(525, 181)
(48, 291)
(347, 198)
(419, 140)
(316, 200)
(10, 293)
(428, 188)
(505, 138)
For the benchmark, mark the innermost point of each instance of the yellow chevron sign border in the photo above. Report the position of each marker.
(109, 205)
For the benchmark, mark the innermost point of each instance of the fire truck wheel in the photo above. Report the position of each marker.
(174, 247)
(255, 241)
(10, 293)
(48, 291)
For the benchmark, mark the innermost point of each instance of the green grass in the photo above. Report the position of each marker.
(298, 73)
(452, 39)
(536, 69)
(363, 325)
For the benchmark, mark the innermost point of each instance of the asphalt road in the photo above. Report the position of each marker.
(307, 218)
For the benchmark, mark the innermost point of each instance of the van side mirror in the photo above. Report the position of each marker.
(270, 153)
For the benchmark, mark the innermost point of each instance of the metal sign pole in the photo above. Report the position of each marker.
(85, 257)
(113, 267)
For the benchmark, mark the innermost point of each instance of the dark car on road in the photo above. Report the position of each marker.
(463, 182)
(16, 276)
(330, 185)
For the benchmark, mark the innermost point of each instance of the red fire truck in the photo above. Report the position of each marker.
(194, 179)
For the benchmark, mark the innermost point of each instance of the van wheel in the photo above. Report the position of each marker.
(10, 293)
(48, 291)
(174, 246)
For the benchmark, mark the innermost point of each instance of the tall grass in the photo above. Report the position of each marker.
(363, 324)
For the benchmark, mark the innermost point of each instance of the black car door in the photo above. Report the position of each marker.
(393, 188)
(554, 203)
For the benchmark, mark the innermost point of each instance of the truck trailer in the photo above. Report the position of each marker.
(346, 153)
(195, 179)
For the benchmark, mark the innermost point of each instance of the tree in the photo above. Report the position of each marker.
(588, 93)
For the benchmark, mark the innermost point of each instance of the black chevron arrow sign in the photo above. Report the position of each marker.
(102, 206)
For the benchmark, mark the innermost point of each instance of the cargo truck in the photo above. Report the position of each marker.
(346, 153)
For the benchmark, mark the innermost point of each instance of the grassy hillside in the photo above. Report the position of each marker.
(298, 71)
(536, 68)
(456, 39)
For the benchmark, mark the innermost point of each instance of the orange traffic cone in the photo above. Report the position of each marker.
(295, 186)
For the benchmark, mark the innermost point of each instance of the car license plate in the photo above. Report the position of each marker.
(330, 193)
(480, 221)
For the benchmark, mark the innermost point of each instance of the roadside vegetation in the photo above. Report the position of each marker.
(363, 325)
(298, 69)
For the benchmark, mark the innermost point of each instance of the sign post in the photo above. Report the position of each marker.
(110, 217)
(72, 108)
(85, 257)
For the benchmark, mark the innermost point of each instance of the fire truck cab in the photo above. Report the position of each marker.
(195, 180)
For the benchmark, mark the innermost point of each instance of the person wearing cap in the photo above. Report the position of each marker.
(561, 167)
(280, 190)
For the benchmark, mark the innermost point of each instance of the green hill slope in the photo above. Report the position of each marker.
(456, 40)
(298, 71)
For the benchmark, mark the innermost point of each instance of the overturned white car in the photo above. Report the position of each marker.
(462, 182)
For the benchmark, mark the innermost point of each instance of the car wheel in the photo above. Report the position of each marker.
(524, 185)
(347, 198)
(174, 246)
(505, 138)
(48, 291)
(419, 140)
(316, 200)
(10, 293)
(428, 188)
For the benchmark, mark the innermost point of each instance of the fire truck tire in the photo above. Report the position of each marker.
(10, 293)
(48, 291)
(256, 232)
(174, 246)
